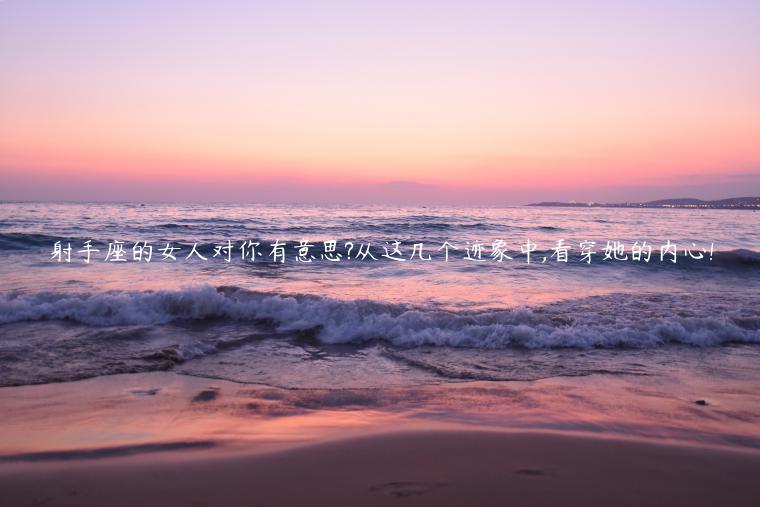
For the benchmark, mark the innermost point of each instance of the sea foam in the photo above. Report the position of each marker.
(622, 320)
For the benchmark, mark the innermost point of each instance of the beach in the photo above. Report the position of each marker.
(166, 439)
(199, 382)
(426, 468)
(293, 253)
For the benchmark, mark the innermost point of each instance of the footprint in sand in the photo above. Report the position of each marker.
(406, 488)
(531, 472)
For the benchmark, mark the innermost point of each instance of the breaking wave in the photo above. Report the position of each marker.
(619, 320)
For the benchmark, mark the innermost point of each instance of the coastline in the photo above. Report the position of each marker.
(463, 467)
(170, 439)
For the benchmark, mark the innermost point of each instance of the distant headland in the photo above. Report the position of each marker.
(751, 203)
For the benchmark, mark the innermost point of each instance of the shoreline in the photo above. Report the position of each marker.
(444, 467)
(100, 414)
(169, 439)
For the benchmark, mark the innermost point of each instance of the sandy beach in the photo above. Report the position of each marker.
(417, 468)
(403, 253)
(164, 439)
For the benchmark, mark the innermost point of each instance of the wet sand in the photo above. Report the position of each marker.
(164, 439)
(409, 468)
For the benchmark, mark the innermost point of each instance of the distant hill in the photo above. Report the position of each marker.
(752, 203)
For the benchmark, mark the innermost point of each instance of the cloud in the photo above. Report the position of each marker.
(746, 176)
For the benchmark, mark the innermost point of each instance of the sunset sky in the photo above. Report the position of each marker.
(469, 101)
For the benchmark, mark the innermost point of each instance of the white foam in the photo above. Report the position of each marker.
(603, 324)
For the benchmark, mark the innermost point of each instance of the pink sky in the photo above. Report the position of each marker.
(460, 101)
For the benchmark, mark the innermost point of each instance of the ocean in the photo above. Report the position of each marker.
(324, 317)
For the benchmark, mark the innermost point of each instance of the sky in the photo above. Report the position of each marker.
(492, 102)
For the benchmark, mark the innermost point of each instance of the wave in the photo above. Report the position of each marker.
(631, 321)
(22, 241)
(174, 226)
(741, 256)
